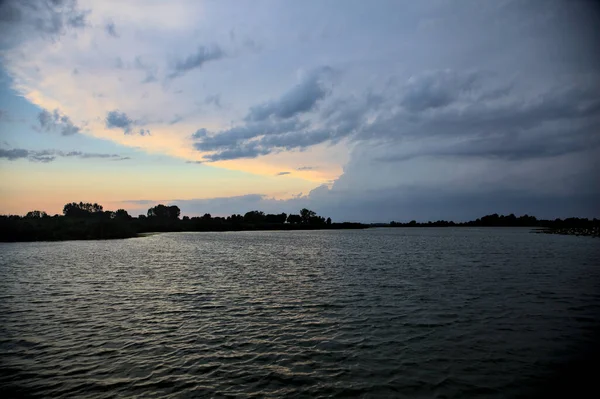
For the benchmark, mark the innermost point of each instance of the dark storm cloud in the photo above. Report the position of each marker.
(260, 138)
(203, 55)
(283, 173)
(513, 146)
(437, 89)
(241, 148)
(393, 204)
(20, 18)
(273, 126)
(57, 122)
(300, 99)
(425, 205)
(484, 114)
(239, 136)
(50, 155)
(111, 29)
(469, 116)
(296, 139)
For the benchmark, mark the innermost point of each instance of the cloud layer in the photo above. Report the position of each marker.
(45, 156)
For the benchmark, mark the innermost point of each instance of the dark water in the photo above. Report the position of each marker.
(375, 313)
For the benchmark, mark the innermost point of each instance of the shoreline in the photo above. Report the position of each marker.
(571, 231)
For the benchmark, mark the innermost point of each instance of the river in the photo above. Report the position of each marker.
(388, 312)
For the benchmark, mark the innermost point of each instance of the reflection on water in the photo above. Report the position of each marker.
(382, 312)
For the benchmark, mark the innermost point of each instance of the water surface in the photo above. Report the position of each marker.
(419, 312)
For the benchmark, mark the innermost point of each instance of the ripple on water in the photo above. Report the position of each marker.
(376, 313)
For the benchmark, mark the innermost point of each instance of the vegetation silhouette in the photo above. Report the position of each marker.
(569, 226)
(84, 221)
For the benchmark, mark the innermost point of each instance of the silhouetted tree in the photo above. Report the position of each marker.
(158, 211)
(316, 221)
(36, 215)
(81, 209)
(235, 218)
(174, 212)
(294, 219)
(276, 219)
(164, 212)
(329, 221)
(254, 217)
(306, 215)
(121, 214)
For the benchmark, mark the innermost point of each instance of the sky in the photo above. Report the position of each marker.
(362, 111)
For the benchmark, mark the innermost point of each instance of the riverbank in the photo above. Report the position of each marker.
(67, 229)
(90, 222)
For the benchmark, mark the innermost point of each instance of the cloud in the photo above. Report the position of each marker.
(55, 121)
(119, 120)
(536, 143)
(200, 134)
(300, 99)
(434, 103)
(474, 115)
(110, 29)
(306, 168)
(50, 155)
(282, 173)
(399, 203)
(273, 131)
(469, 113)
(214, 99)
(150, 69)
(51, 18)
(437, 89)
(176, 119)
(246, 151)
(196, 60)
(239, 136)
(13, 154)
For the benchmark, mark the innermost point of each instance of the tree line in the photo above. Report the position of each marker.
(91, 221)
(496, 220)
